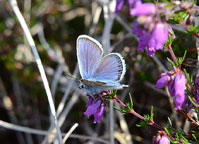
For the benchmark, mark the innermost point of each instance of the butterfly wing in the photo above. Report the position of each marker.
(89, 54)
(110, 69)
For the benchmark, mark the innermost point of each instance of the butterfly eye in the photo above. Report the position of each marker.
(81, 86)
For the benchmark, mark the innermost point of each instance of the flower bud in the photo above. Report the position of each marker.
(161, 138)
(163, 81)
(179, 86)
(143, 9)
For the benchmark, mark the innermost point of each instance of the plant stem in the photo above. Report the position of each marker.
(27, 33)
(172, 53)
(193, 33)
(152, 123)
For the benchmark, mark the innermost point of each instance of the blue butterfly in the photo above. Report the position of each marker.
(98, 73)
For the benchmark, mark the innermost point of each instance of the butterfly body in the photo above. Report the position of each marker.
(94, 87)
(98, 73)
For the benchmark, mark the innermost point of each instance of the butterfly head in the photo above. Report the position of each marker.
(81, 85)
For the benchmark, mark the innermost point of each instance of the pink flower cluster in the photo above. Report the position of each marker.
(152, 40)
(95, 106)
(176, 84)
(149, 28)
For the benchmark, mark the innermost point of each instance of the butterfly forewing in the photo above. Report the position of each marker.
(89, 53)
(111, 68)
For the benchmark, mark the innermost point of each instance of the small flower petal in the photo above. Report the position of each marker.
(197, 83)
(143, 42)
(131, 3)
(90, 101)
(197, 98)
(164, 140)
(179, 85)
(151, 47)
(142, 9)
(161, 138)
(171, 88)
(160, 35)
(98, 114)
(163, 81)
(151, 40)
(119, 5)
(92, 108)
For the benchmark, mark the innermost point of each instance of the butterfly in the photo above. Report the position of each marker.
(99, 73)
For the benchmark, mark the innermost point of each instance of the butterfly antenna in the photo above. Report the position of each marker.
(72, 77)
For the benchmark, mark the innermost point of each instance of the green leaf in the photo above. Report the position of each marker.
(194, 136)
(145, 122)
(177, 62)
(131, 101)
(167, 131)
(116, 108)
(171, 62)
(177, 136)
(151, 118)
(142, 124)
(184, 139)
(185, 53)
(192, 30)
(191, 100)
(180, 60)
(189, 78)
(170, 123)
(114, 93)
(178, 18)
(174, 142)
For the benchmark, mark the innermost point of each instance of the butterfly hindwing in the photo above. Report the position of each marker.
(111, 68)
(89, 54)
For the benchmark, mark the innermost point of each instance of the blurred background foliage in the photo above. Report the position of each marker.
(55, 26)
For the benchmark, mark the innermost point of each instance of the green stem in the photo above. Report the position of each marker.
(152, 123)
(172, 53)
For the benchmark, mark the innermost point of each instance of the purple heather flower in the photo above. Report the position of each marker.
(120, 4)
(132, 2)
(143, 9)
(142, 35)
(163, 81)
(164, 140)
(197, 89)
(143, 41)
(171, 88)
(179, 85)
(197, 98)
(137, 31)
(176, 87)
(94, 107)
(152, 32)
(197, 83)
(186, 5)
(153, 40)
(161, 139)
(99, 113)
(159, 35)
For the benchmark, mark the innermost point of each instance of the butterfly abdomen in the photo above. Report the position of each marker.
(92, 83)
